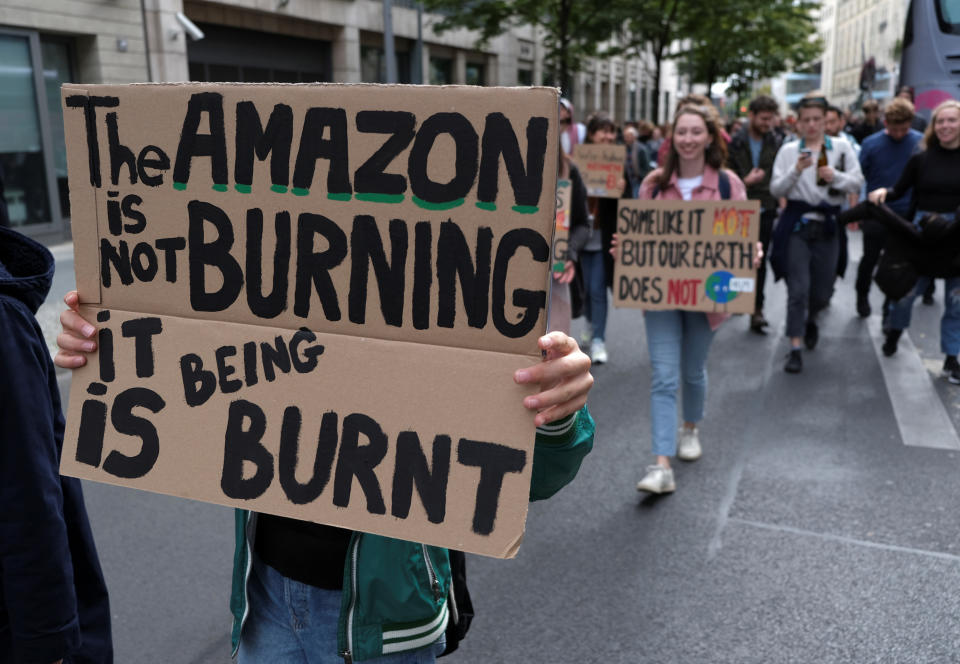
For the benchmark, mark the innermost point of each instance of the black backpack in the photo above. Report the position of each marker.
(458, 601)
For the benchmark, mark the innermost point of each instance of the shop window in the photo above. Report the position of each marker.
(441, 71)
(56, 72)
(33, 162)
(373, 65)
(475, 74)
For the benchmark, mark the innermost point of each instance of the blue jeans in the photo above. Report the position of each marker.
(595, 285)
(293, 623)
(678, 343)
(900, 311)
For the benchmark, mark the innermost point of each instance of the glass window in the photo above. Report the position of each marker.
(948, 13)
(372, 69)
(441, 71)
(475, 74)
(524, 77)
(24, 177)
(224, 73)
(373, 65)
(56, 72)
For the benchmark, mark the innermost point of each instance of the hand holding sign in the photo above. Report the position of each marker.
(77, 337)
(564, 379)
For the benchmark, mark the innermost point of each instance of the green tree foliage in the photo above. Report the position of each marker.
(744, 40)
(652, 26)
(572, 29)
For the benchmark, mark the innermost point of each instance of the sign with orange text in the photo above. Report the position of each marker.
(691, 255)
(601, 167)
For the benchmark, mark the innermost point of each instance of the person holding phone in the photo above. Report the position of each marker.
(809, 248)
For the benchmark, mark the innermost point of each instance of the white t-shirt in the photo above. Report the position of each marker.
(687, 185)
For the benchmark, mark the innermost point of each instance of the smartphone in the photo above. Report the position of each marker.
(806, 152)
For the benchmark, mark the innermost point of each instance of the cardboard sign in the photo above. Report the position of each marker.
(312, 299)
(601, 167)
(691, 255)
(561, 231)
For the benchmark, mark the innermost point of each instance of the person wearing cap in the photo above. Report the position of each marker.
(809, 249)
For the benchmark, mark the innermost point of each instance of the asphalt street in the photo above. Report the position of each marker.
(820, 525)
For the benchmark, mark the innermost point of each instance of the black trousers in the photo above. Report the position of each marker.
(874, 237)
(767, 219)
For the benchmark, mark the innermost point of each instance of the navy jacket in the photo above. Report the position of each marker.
(793, 213)
(53, 600)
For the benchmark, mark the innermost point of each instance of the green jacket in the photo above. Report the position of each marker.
(394, 591)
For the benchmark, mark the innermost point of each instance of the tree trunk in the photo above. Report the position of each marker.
(711, 77)
(566, 87)
(658, 58)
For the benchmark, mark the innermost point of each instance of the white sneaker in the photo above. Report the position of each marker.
(657, 480)
(598, 352)
(587, 335)
(689, 448)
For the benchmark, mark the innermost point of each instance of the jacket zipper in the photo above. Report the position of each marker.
(348, 653)
(431, 574)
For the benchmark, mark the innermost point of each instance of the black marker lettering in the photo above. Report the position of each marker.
(360, 461)
(125, 422)
(410, 468)
(494, 462)
(243, 444)
(297, 492)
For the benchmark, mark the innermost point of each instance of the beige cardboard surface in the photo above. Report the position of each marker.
(601, 167)
(354, 258)
(407, 227)
(274, 440)
(691, 255)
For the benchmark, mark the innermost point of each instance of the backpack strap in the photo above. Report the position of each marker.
(723, 184)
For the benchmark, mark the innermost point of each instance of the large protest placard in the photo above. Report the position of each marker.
(312, 299)
(601, 167)
(691, 255)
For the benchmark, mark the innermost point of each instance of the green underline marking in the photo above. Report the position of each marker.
(219, 187)
(487, 206)
(526, 209)
(179, 186)
(278, 188)
(297, 191)
(380, 198)
(448, 205)
(242, 188)
(338, 197)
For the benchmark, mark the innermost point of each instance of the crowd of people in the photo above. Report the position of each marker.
(816, 171)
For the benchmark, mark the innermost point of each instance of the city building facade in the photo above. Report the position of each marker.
(45, 43)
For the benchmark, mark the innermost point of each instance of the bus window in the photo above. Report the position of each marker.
(948, 16)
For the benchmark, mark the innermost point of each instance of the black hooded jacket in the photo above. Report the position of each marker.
(53, 600)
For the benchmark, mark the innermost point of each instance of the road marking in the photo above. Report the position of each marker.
(920, 413)
(744, 451)
(846, 540)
